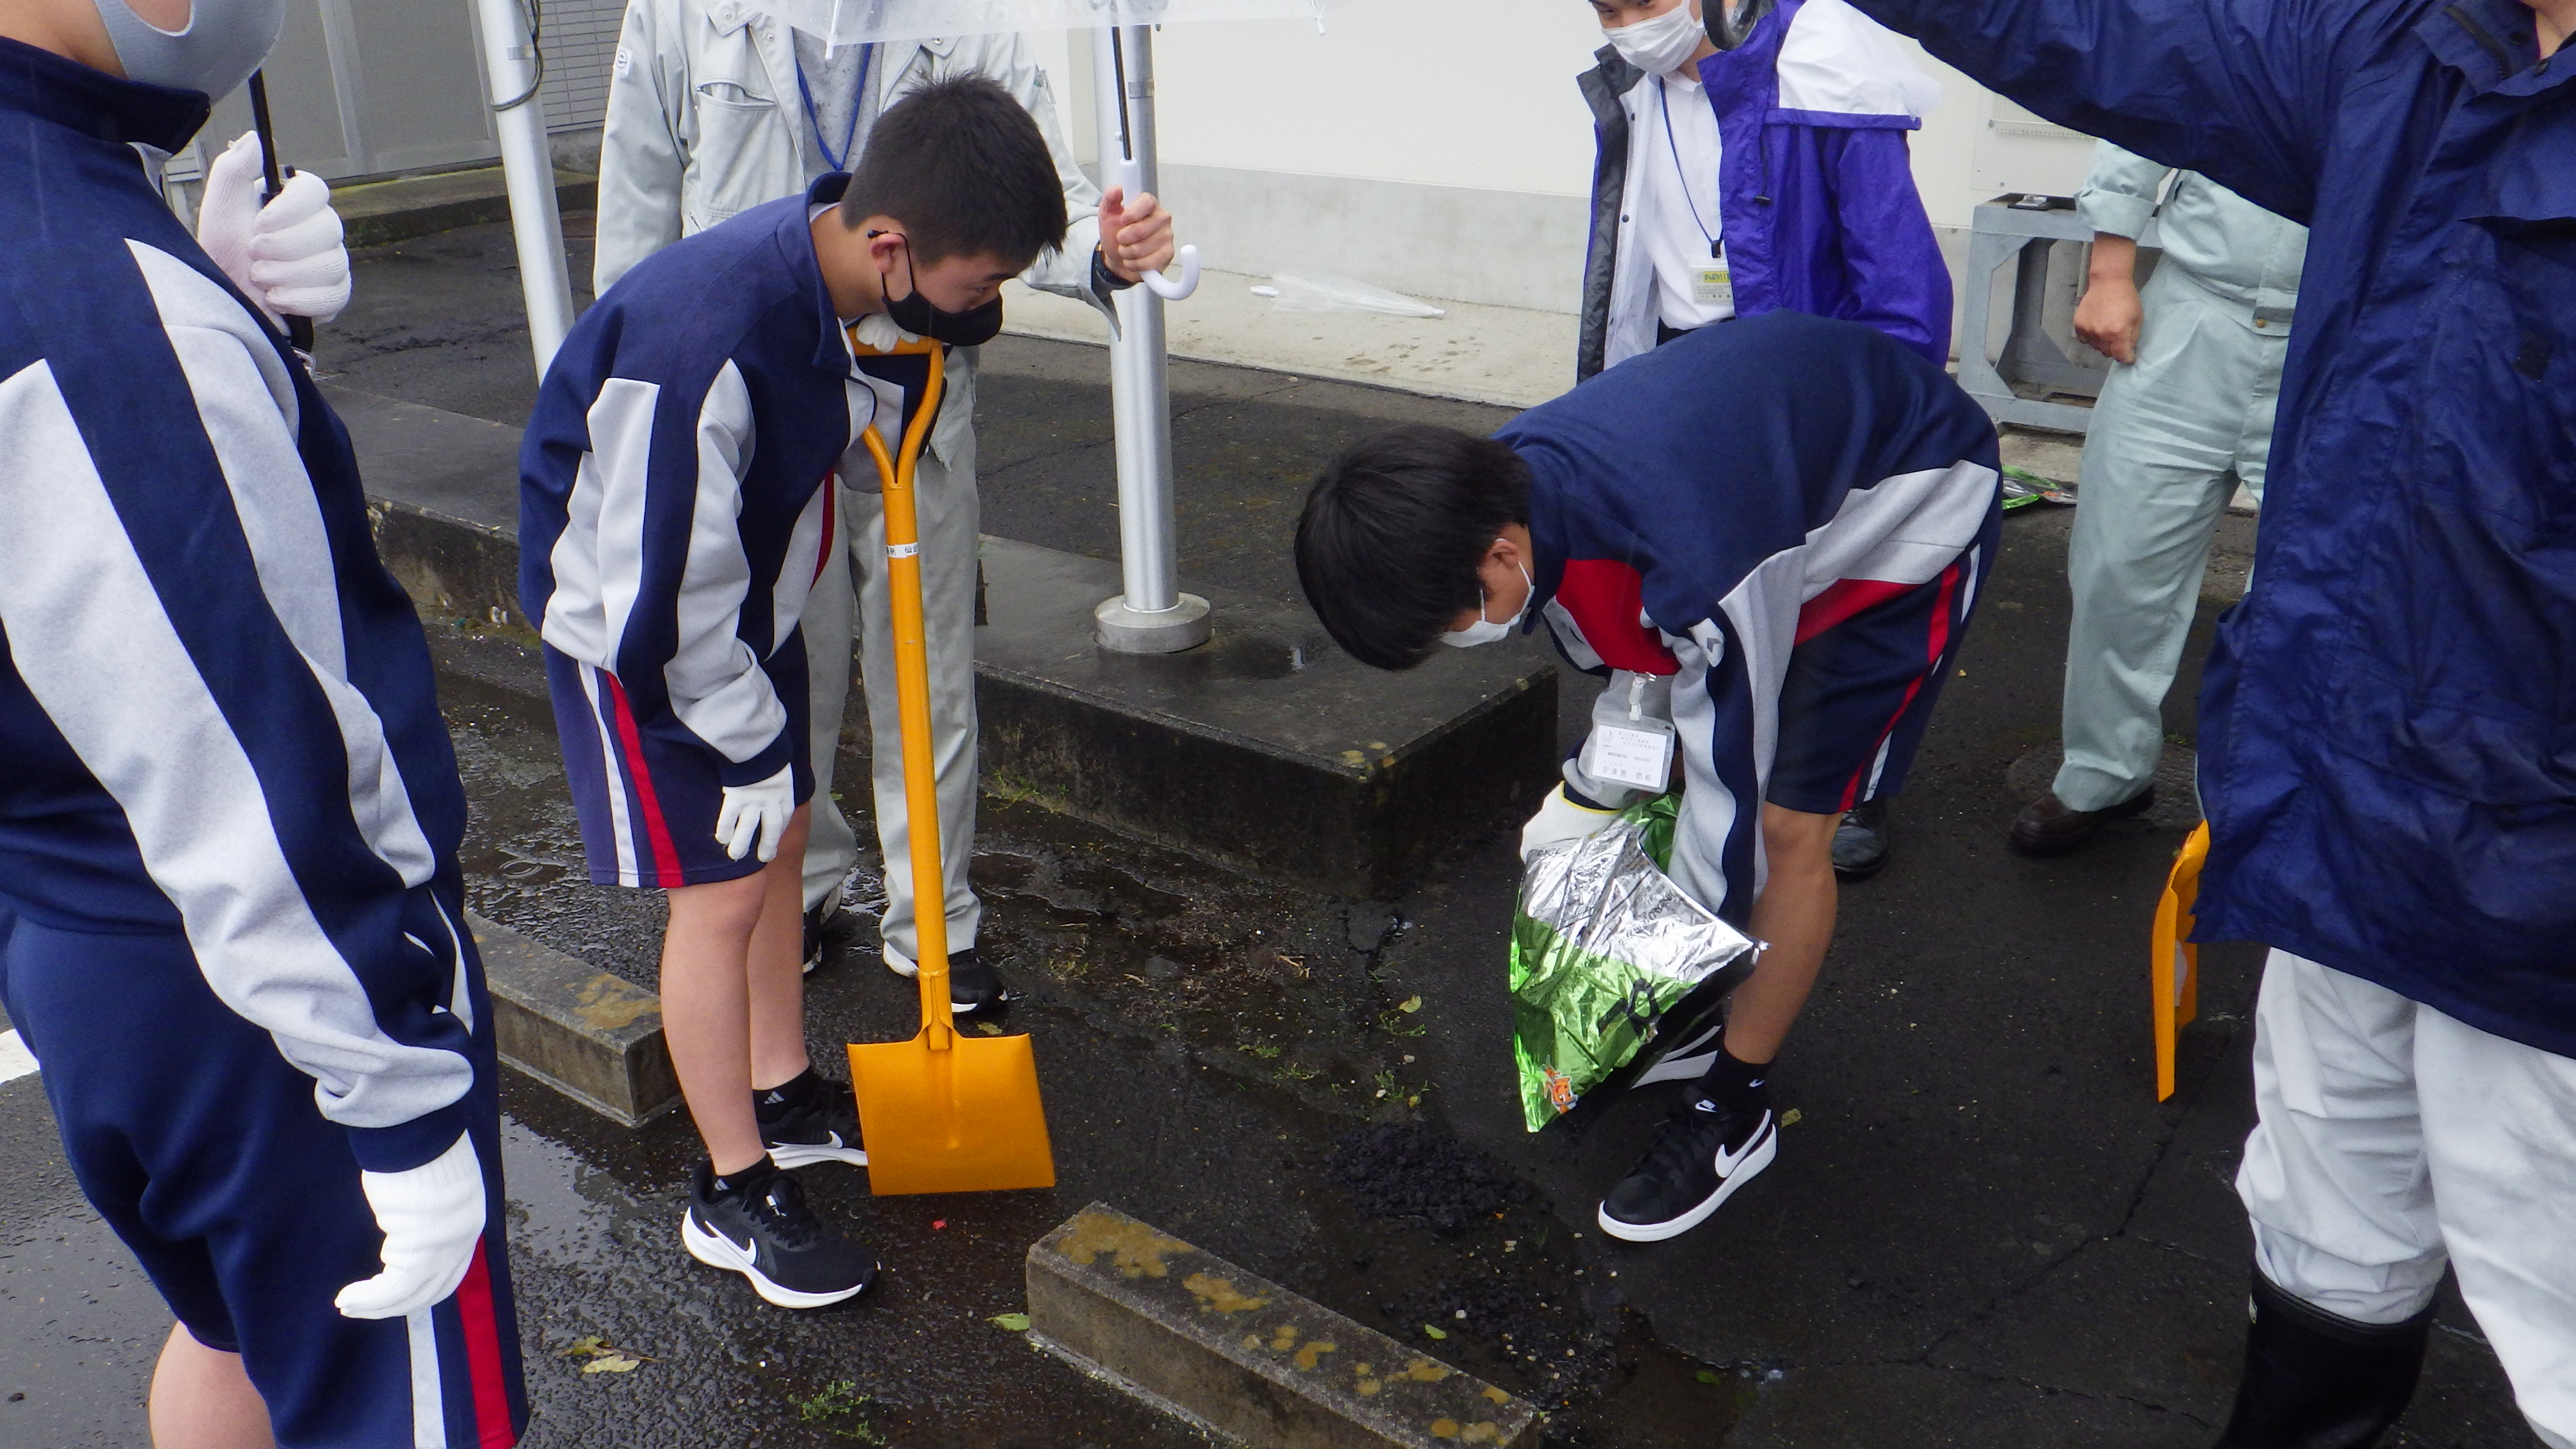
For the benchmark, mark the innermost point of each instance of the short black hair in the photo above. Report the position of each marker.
(963, 167)
(1393, 531)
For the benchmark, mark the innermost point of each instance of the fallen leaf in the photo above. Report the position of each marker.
(1708, 1376)
(1791, 1117)
(610, 1363)
(1435, 1332)
(1412, 1005)
(989, 1028)
(585, 1346)
(938, 1223)
(1015, 1322)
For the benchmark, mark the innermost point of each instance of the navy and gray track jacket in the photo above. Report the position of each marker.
(672, 518)
(216, 710)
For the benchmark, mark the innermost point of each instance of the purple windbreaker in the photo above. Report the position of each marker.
(1815, 186)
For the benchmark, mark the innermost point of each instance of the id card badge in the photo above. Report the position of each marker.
(1637, 754)
(1714, 286)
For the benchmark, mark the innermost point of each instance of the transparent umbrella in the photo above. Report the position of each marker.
(1152, 615)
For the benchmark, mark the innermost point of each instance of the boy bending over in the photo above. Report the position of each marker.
(1768, 537)
(674, 520)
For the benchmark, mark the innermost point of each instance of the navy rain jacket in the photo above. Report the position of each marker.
(2388, 745)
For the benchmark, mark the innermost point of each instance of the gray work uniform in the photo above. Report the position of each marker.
(705, 118)
(2171, 437)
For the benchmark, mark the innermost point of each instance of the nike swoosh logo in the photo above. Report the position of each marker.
(1727, 1161)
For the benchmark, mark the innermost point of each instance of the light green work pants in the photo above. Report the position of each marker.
(950, 517)
(2170, 439)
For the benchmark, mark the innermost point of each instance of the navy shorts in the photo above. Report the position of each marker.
(204, 1151)
(648, 802)
(1862, 680)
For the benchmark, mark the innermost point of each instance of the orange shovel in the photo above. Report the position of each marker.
(941, 1112)
(2173, 966)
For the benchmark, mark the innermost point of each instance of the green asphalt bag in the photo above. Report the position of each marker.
(1604, 948)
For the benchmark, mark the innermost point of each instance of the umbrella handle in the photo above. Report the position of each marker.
(1131, 180)
(912, 694)
(1170, 291)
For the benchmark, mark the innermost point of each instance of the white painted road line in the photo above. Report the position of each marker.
(15, 1060)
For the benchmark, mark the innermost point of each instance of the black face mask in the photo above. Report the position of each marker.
(916, 315)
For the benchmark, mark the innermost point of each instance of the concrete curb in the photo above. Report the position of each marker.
(373, 213)
(1245, 1358)
(594, 1037)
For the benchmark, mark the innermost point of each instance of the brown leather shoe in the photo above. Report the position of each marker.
(2047, 827)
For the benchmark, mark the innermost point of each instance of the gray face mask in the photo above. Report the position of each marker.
(224, 41)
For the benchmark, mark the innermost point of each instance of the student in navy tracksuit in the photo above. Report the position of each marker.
(1769, 537)
(674, 520)
(231, 917)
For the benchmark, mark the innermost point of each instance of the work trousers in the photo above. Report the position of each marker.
(2393, 1139)
(951, 517)
(2169, 440)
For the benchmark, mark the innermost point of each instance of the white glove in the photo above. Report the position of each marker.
(1559, 820)
(879, 331)
(757, 813)
(285, 255)
(431, 1216)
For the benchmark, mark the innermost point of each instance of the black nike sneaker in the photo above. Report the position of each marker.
(764, 1231)
(1705, 1153)
(972, 984)
(809, 1120)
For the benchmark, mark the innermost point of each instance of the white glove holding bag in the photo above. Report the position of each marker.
(757, 815)
(431, 1216)
(285, 255)
(1559, 820)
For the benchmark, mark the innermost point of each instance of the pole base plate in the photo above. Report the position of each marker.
(1122, 630)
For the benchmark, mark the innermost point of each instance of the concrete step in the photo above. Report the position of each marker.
(1267, 749)
(1243, 1357)
(402, 207)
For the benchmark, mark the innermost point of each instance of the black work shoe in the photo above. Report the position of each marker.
(2046, 827)
(972, 985)
(1705, 1153)
(2318, 1380)
(829, 926)
(767, 1234)
(820, 1123)
(1860, 841)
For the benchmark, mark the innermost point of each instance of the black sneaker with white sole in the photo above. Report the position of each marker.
(972, 984)
(1705, 1153)
(764, 1231)
(809, 1120)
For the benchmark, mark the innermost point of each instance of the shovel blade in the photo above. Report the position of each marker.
(966, 1119)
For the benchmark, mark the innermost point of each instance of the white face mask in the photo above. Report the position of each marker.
(1662, 45)
(224, 41)
(1487, 631)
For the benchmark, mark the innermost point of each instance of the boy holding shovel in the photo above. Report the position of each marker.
(674, 520)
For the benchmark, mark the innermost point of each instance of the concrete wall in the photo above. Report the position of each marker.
(1440, 147)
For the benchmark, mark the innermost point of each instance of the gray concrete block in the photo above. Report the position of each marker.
(1244, 1357)
(373, 213)
(594, 1037)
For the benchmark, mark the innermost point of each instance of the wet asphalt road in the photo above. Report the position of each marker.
(1982, 1230)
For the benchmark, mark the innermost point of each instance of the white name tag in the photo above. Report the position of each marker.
(1713, 286)
(1638, 754)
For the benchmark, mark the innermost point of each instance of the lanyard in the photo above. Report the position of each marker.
(1663, 94)
(858, 105)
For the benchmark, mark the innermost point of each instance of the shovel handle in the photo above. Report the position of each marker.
(912, 693)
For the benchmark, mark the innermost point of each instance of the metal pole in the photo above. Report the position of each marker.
(1152, 616)
(527, 163)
